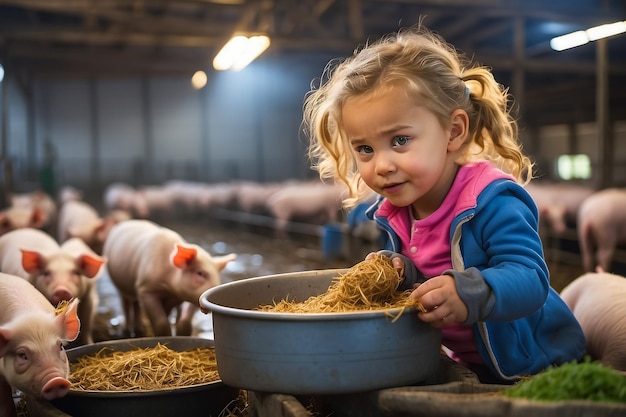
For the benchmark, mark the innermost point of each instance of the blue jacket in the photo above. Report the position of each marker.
(520, 323)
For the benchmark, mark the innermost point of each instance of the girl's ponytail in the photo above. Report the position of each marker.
(494, 131)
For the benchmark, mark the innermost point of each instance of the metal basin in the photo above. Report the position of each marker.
(318, 353)
(195, 400)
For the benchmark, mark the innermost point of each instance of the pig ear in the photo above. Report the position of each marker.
(222, 261)
(182, 256)
(89, 265)
(5, 337)
(103, 229)
(32, 261)
(69, 321)
(38, 218)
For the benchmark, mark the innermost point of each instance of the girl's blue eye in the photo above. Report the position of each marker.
(400, 140)
(364, 149)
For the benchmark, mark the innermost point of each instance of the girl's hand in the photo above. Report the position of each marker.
(397, 260)
(411, 276)
(441, 300)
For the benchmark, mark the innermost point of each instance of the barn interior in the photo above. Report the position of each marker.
(98, 94)
(44, 44)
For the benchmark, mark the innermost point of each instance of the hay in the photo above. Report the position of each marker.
(145, 369)
(369, 285)
(61, 307)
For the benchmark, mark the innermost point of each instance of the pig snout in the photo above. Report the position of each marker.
(57, 387)
(61, 294)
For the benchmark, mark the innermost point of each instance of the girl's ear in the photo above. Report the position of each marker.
(459, 128)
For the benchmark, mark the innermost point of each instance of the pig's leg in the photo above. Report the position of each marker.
(7, 406)
(132, 316)
(587, 241)
(282, 215)
(605, 251)
(280, 227)
(331, 215)
(588, 253)
(138, 324)
(157, 315)
(186, 311)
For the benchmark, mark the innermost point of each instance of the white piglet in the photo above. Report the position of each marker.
(156, 271)
(558, 203)
(32, 357)
(598, 301)
(80, 219)
(58, 272)
(13, 218)
(315, 202)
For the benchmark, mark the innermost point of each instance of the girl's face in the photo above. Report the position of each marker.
(402, 150)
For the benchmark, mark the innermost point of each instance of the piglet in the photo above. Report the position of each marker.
(155, 270)
(598, 301)
(13, 218)
(38, 200)
(58, 272)
(558, 202)
(33, 359)
(80, 219)
(313, 202)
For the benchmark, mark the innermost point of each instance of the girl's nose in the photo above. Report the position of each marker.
(384, 165)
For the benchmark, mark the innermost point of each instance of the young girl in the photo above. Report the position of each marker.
(406, 118)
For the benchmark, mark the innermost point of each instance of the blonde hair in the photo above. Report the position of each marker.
(429, 69)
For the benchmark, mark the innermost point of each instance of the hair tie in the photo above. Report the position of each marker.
(467, 90)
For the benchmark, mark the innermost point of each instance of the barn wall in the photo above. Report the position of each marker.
(15, 119)
(243, 125)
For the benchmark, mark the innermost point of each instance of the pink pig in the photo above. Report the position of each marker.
(32, 357)
(13, 218)
(58, 272)
(80, 219)
(37, 200)
(314, 202)
(155, 271)
(558, 202)
(601, 227)
(598, 300)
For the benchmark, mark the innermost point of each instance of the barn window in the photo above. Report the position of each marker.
(573, 167)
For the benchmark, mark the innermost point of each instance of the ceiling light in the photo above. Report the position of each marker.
(199, 80)
(239, 51)
(1, 73)
(568, 41)
(604, 31)
(582, 37)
